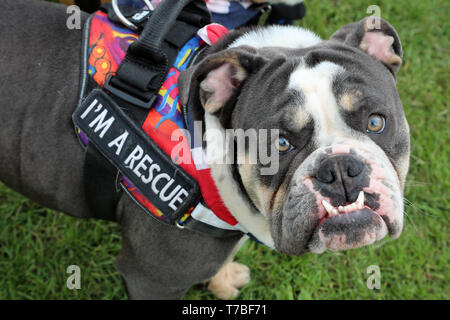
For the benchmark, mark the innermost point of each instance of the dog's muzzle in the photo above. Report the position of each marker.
(340, 198)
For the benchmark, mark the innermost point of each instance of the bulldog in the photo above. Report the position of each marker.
(343, 142)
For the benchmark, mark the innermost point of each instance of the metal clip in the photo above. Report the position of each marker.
(122, 18)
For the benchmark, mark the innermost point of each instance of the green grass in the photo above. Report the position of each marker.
(37, 245)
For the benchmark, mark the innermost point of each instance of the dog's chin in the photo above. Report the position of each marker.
(346, 231)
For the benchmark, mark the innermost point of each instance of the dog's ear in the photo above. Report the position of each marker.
(376, 37)
(217, 79)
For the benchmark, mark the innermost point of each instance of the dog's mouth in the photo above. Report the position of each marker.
(350, 226)
(333, 211)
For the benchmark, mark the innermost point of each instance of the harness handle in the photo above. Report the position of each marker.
(148, 59)
(149, 43)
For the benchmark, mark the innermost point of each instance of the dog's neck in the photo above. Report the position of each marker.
(232, 194)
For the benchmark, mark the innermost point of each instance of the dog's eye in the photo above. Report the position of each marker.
(283, 145)
(376, 123)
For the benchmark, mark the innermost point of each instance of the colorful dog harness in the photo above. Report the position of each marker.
(138, 147)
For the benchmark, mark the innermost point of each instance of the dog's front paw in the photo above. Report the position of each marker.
(229, 279)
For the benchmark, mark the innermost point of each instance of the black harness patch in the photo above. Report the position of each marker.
(172, 190)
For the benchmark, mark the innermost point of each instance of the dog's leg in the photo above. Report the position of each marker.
(162, 262)
(231, 277)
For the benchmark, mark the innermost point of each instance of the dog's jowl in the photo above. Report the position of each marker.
(342, 147)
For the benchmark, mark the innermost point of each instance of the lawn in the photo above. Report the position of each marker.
(37, 245)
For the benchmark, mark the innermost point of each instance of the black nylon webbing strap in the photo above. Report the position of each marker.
(148, 59)
(100, 179)
(149, 44)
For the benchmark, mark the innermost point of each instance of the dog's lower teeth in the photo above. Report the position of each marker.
(333, 211)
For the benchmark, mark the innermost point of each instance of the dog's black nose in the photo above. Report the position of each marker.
(342, 176)
(339, 167)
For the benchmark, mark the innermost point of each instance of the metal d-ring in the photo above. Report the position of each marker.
(122, 18)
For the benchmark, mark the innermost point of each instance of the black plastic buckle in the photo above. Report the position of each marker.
(145, 101)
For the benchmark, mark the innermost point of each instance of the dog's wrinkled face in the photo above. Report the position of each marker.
(344, 140)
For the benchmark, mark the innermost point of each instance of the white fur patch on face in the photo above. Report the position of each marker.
(278, 36)
(301, 118)
(316, 86)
